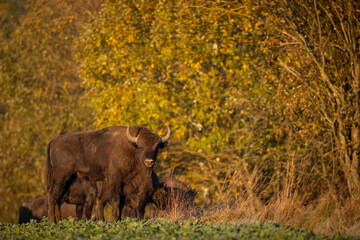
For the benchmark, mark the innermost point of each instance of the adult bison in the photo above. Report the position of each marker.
(38, 208)
(122, 157)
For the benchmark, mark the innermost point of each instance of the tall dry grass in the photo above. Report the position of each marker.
(327, 214)
(324, 216)
(293, 204)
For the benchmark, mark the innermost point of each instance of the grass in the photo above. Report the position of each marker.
(326, 215)
(154, 229)
(285, 216)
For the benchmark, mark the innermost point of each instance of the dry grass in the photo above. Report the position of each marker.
(326, 215)
(293, 205)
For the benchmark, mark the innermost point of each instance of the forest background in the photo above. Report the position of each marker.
(262, 98)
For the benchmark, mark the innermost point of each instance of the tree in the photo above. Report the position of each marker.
(195, 65)
(319, 54)
(42, 91)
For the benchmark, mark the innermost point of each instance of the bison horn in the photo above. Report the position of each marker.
(131, 138)
(167, 136)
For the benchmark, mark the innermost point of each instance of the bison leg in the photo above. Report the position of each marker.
(128, 210)
(51, 207)
(99, 209)
(101, 199)
(56, 194)
(88, 207)
(54, 203)
(140, 207)
(115, 203)
(79, 211)
(140, 200)
(140, 211)
(58, 211)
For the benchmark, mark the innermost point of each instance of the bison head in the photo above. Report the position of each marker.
(148, 145)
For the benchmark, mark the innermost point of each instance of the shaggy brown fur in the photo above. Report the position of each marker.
(121, 157)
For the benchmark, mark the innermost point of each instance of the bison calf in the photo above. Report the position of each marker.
(171, 197)
(129, 202)
(176, 198)
(82, 194)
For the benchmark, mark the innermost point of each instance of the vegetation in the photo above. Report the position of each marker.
(41, 89)
(153, 229)
(262, 98)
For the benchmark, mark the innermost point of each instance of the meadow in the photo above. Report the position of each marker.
(262, 97)
(153, 229)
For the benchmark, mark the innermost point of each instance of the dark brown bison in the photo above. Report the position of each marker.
(176, 188)
(38, 208)
(175, 198)
(77, 202)
(122, 157)
(129, 209)
(82, 194)
(171, 197)
(169, 194)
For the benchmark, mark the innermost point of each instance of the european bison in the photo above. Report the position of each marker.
(178, 188)
(172, 198)
(169, 194)
(38, 208)
(176, 198)
(129, 208)
(82, 194)
(77, 202)
(122, 157)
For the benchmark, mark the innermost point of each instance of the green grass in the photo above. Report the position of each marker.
(152, 229)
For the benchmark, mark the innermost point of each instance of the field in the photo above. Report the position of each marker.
(262, 98)
(153, 229)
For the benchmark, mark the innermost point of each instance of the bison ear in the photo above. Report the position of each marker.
(163, 144)
(134, 144)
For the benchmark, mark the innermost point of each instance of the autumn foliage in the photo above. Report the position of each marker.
(262, 97)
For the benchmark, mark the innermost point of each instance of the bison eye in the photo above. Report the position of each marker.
(163, 144)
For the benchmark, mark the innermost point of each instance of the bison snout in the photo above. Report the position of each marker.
(149, 163)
